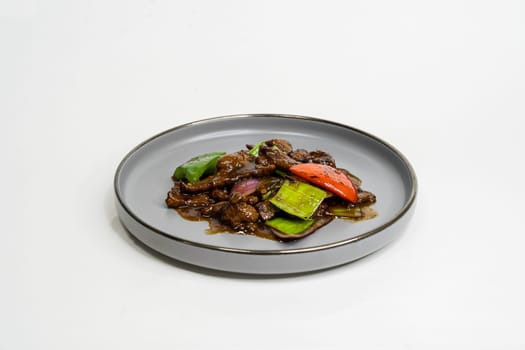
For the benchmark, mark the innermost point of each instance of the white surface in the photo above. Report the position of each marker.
(81, 83)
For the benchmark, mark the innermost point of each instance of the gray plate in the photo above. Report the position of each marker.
(143, 179)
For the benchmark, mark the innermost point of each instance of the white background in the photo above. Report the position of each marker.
(83, 82)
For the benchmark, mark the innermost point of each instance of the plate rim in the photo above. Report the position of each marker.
(409, 203)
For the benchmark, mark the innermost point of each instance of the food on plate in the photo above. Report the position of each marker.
(270, 190)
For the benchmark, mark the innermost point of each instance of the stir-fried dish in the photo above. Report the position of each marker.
(269, 190)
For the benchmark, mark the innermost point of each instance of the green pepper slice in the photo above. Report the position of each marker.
(195, 168)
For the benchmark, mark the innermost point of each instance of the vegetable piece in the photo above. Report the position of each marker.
(197, 167)
(327, 177)
(245, 186)
(318, 222)
(353, 213)
(289, 226)
(298, 199)
(255, 150)
(341, 211)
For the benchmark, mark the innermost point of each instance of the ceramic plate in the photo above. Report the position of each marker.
(144, 177)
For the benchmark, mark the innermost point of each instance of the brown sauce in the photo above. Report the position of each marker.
(262, 231)
(215, 226)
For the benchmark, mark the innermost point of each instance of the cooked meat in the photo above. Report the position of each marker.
(214, 209)
(176, 199)
(219, 194)
(198, 200)
(281, 144)
(236, 197)
(279, 158)
(365, 197)
(300, 155)
(355, 180)
(266, 210)
(252, 200)
(248, 227)
(232, 161)
(322, 210)
(321, 157)
(236, 213)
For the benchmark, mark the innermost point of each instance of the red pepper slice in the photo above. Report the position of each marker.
(327, 177)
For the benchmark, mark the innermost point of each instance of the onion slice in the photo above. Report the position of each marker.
(245, 187)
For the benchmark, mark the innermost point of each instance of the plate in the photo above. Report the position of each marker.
(143, 179)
